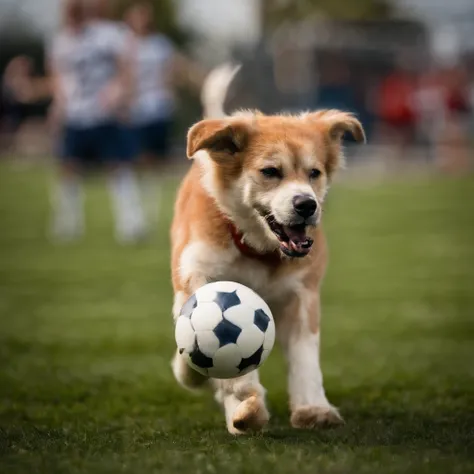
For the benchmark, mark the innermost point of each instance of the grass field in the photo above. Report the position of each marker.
(86, 338)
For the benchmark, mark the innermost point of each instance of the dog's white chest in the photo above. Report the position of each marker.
(200, 260)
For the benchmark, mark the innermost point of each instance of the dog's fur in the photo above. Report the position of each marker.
(226, 186)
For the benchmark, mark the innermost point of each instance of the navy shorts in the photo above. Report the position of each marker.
(154, 138)
(104, 142)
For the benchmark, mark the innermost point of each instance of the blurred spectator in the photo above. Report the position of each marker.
(395, 107)
(91, 79)
(13, 95)
(430, 110)
(455, 139)
(470, 86)
(157, 67)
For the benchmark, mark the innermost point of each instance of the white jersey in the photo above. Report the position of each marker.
(86, 63)
(153, 98)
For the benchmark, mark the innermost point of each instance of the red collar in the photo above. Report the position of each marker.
(272, 258)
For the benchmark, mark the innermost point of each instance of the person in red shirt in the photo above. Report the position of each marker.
(396, 111)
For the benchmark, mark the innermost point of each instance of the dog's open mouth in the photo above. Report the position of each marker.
(293, 239)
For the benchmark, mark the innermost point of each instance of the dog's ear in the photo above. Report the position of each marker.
(334, 124)
(218, 137)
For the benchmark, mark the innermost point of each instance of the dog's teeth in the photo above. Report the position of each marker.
(294, 246)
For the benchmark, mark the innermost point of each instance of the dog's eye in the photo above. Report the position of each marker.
(271, 172)
(315, 173)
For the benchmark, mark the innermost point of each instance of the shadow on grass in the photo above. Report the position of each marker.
(444, 432)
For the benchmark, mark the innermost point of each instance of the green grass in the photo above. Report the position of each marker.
(86, 338)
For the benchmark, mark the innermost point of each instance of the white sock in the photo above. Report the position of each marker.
(127, 207)
(68, 214)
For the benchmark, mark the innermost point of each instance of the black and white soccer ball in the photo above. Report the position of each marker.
(225, 330)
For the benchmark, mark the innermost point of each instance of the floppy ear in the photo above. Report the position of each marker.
(218, 137)
(337, 123)
(334, 124)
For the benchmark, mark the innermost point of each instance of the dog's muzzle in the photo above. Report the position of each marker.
(293, 240)
(305, 205)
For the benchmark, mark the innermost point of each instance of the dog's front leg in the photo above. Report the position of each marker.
(184, 374)
(243, 400)
(300, 338)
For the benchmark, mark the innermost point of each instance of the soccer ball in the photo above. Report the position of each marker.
(225, 330)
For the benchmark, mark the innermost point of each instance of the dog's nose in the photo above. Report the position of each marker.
(304, 205)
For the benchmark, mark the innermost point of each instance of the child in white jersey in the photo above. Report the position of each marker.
(90, 80)
(155, 63)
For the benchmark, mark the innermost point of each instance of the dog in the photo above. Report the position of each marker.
(249, 210)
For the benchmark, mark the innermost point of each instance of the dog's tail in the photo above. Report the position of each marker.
(215, 87)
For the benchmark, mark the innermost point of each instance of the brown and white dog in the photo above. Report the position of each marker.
(249, 210)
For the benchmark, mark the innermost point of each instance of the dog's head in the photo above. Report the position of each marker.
(270, 174)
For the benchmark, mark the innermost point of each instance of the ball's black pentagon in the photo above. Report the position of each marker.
(200, 359)
(254, 359)
(226, 300)
(261, 320)
(188, 307)
(227, 332)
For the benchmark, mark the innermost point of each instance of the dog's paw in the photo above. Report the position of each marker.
(250, 415)
(307, 417)
(185, 375)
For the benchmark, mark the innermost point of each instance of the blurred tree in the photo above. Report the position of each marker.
(276, 12)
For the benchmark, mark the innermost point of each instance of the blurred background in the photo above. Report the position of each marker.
(404, 66)
(86, 334)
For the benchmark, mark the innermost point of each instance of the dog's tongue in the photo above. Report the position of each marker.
(298, 240)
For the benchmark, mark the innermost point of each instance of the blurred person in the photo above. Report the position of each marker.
(442, 109)
(103, 12)
(395, 107)
(13, 96)
(90, 79)
(158, 67)
(470, 88)
(430, 110)
(99, 10)
(455, 134)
